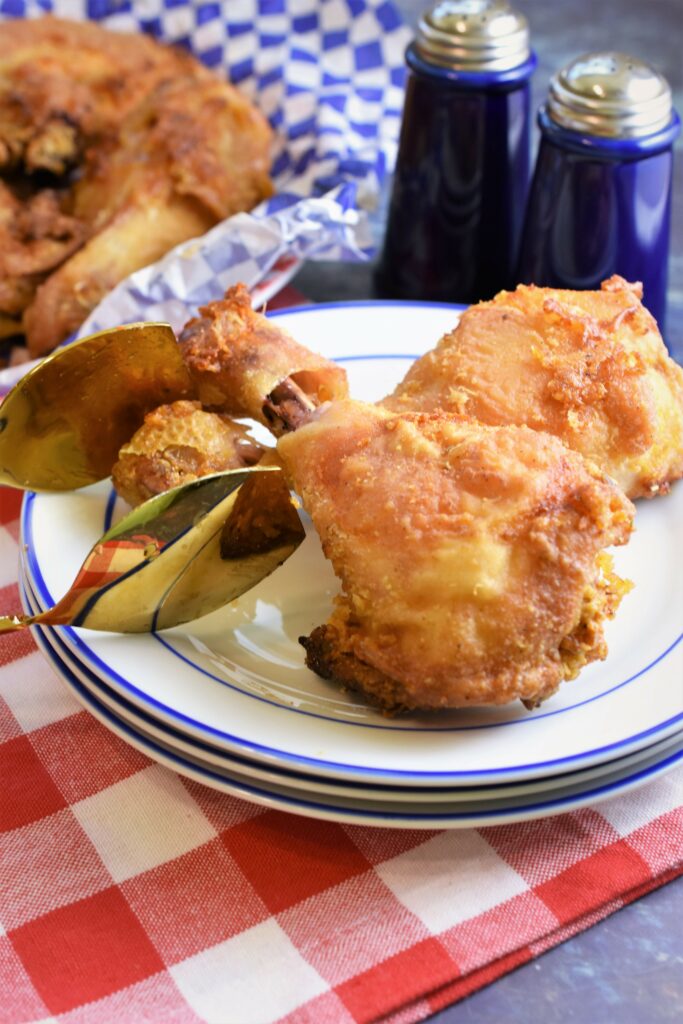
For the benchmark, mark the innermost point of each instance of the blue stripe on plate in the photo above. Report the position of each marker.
(185, 766)
(64, 655)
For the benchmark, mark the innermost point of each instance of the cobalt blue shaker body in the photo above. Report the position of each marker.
(457, 205)
(600, 201)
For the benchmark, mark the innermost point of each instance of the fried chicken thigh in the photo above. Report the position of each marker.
(471, 557)
(192, 154)
(589, 367)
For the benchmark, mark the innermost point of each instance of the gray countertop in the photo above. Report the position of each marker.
(628, 968)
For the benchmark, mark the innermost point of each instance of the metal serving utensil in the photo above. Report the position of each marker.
(180, 555)
(62, 425)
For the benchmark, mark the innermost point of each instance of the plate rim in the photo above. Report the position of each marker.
(50, 639)
(362, 816)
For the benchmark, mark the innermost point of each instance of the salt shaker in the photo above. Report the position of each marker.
(457, 206)
(600, 201)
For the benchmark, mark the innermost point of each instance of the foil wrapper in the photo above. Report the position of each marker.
(261, 249)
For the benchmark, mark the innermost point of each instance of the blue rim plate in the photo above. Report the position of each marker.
(196, 749)
(236, 679)
(468, 814)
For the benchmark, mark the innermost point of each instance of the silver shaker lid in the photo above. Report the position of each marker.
(473, 35)
(610, 94)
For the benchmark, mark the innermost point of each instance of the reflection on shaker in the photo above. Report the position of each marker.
(462, 171)
(600, 201)
(572, 215)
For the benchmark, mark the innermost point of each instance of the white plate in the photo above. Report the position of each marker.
(237, 678)
(56, 651)
(448, 814)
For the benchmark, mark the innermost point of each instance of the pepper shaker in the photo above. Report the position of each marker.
(600, 201)
(457, 205)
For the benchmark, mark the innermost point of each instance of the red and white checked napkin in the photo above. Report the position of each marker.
(129, 893)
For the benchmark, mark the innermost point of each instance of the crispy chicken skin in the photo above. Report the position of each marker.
(471, 557)
(65, 84)
(176, 444)
(589, 367)
(192, 154)
(237, 358)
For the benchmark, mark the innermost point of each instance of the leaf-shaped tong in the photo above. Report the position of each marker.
(62, 425)
(181, 555)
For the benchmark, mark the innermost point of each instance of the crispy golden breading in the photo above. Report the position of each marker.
(237, 358)
(176, 444)
(589, 367)
(65, 84)
(192, 154)
(471, 557)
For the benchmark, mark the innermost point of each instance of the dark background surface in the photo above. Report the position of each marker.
(629, 968)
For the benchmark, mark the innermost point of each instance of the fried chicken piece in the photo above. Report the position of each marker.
(237, 358)
(36, 235)
(589, 367)
(65, 84)
(264, 517)
(192, 154)
(471, 557)
(176, 444)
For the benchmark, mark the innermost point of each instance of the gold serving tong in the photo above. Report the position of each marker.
(179, 555)
(62, 425)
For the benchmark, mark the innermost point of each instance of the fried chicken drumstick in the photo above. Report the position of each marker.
(589, 367)
(178, 443)
(238, 358)
(471, 557)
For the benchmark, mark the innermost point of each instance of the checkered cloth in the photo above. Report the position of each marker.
(129, 893)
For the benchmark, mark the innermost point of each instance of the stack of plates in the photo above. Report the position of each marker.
(227, 700)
